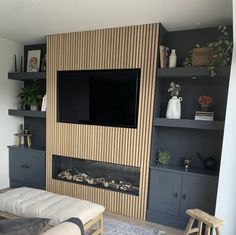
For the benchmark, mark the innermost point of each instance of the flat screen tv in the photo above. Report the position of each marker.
(98, 97)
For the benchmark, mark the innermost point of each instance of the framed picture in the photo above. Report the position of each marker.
(33, 60)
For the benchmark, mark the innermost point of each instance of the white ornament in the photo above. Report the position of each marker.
(172, 59)
(174, 108)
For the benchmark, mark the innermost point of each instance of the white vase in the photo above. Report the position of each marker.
(172, 59)
(174, 108)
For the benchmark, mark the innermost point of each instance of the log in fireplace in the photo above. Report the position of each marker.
(98, 174)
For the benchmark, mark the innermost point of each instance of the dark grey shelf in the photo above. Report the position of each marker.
(187, 123)
(192, 72)
(27, 113)
(181, 169)
(25, 148)
(26, 76)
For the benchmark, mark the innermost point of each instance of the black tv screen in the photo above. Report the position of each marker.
(98, 97)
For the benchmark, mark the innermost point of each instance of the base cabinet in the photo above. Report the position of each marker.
(172, 193)
(26, 168)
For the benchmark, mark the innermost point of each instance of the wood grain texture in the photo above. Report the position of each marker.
(117, 48)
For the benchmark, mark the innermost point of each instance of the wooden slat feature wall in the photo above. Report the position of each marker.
(117, 48)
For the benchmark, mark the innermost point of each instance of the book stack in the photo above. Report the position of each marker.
(204, 116)
(164, 55)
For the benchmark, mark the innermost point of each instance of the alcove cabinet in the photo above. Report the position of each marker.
(27, 164)
(172, 189)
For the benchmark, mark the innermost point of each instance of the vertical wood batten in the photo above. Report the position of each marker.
(120, 48)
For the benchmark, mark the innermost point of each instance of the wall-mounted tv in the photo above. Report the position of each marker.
(98, 97)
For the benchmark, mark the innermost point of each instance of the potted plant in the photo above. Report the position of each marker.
(213, 54)
(163, 157)
(205, 102)
(30, 97)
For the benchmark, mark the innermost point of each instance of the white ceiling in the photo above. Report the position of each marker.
(29, 21)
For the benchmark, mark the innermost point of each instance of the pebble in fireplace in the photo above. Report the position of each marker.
(101, 181)
(97, 174)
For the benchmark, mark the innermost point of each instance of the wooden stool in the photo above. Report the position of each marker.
(202, 218)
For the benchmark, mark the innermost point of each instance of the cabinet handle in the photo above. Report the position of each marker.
(184, 196)
(22, 166)
(26, 166)
(176, 195)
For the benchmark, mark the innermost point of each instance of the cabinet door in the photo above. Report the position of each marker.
(198, 192)
(35, 167)
(164, 193)
(27, 167)
(17, 170)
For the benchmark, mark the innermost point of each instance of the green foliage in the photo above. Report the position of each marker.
(221, 52)
(30, 95)
(188, 60)
(163, 157)
(174, 89)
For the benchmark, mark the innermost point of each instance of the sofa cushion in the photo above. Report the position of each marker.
(23, 226)
(64, 228)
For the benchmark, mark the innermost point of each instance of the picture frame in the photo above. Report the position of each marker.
(33, 61)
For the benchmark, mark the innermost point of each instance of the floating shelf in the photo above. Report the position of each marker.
(190, 171)
(25, 76)
(32, 148)
(187, 123)
(192, 72)
(27, 113)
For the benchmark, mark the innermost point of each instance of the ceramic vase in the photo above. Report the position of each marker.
(172, 59)
(174, 108)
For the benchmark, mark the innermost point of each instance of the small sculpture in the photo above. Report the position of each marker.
(187, 162)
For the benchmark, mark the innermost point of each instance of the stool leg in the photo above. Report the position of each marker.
(199, 228)
(208, 230)
(218, 232)
(189, 226)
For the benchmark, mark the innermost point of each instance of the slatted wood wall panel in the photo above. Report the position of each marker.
(118, 48)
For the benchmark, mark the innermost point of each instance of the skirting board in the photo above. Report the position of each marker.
(4, 184)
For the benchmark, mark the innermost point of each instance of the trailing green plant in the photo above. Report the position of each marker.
(163, 157)
(30, 95)
(221, 50)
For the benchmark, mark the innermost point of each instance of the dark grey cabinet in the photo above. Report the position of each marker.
(26, 167)
(198, 192)
(172, 192)
(165, 192)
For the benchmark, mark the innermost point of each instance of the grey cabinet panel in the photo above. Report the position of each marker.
(198, 192)
(171, 193)
(27, 168)
(165, 190)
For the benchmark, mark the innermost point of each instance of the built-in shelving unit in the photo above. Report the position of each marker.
(188, 123)
(26, 76)
(31, 149)
(172, 189)
(182, 170)
(27, 164)
(27, 113)
(192, 72)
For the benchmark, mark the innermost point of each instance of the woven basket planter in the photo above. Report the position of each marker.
(201, 56)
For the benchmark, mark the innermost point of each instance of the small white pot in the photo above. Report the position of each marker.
(174, 108)
(34, 107)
